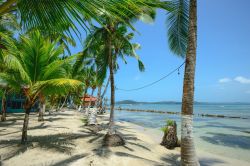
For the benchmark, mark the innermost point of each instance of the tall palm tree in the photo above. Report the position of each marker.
(36, 70)
(182, 37)
(113, 42)
(188, 155)
(8, 26)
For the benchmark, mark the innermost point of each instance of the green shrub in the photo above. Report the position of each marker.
(168, 123)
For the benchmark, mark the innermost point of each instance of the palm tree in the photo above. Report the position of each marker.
(188, 155)
(113, 42)
(8, 26)
(182, 36)
(62, 15)
(37, 70)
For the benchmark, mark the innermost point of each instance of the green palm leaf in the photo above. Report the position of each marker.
(178, 27)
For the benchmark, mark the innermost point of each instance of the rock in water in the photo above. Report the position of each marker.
(170, 139)
(113, 140)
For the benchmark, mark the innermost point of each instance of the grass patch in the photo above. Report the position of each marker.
(168, 123)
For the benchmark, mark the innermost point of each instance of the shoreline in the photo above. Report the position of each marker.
(205, 158)
(62, 139)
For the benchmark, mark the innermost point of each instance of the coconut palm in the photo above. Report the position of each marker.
(36, 71)
(8, 26)
(188, 155)
(182, 36)
(113, 42)
(59, 14)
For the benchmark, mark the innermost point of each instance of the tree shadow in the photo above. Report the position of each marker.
(210, 161)
(170, 159)
(222, 126)
(5, 134)
(40, 126)
(123, 154)
(230, 140)
(139, 145)
(52, 119)
(69, 160)
(8, 122)
(62, 143)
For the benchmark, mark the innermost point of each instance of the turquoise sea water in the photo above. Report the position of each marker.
(220, 136)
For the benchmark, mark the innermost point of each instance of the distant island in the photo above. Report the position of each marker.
(174, 102)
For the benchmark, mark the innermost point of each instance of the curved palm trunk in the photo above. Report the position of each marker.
(4, 107)
(112, 82)
(27, 108)
(91, 113)
(99, 96)
(100, 107)
(188, 155)
(63, 103)
(105, 89)
(85, 93)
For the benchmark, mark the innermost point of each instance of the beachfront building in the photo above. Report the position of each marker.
(14, 104)
(87, 99)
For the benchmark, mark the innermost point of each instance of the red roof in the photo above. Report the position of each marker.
(89, 98)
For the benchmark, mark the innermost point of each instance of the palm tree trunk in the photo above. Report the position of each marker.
(41, 111)
(112, 82)
(41, 108)
(188, 154)
(85, 93)
(4, 107)
(27, 108)
(90, 114)
(63, 103)
(102, 96)
(98, 96)
(106, 87)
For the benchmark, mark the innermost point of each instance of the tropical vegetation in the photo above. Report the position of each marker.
(36, 64)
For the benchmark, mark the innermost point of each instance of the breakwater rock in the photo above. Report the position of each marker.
(178, 113)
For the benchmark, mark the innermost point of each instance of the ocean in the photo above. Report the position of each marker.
(220, 136)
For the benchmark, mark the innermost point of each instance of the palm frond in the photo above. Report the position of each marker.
(56, 86)
(178, 27)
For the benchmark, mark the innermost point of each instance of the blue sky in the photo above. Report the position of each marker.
(223, 57)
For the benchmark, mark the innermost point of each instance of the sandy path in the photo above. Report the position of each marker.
(62, 139)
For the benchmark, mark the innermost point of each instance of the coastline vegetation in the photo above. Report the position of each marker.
(36, 61)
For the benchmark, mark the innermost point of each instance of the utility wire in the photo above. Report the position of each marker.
(152, 83)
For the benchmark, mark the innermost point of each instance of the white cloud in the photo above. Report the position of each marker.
(242, 80)
(224, 80)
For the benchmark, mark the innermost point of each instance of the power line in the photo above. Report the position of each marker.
(152, 83)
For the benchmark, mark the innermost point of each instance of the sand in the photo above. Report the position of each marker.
(62, 139)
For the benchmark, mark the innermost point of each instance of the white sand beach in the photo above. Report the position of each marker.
(62, 139)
